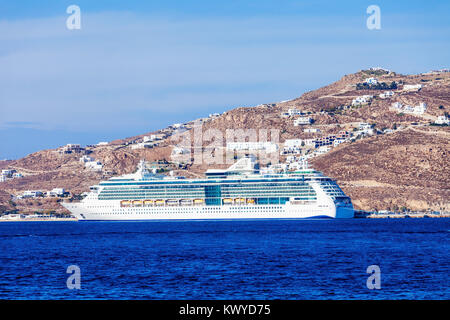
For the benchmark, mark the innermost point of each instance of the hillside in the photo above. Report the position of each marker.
(408, 167)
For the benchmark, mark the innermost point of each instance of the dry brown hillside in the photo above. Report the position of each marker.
(407, 168)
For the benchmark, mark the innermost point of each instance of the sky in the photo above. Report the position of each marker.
(138, 66)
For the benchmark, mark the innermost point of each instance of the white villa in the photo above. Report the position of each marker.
(32, 194)
(142, 145)
(302, 121)
(365, 129)
(85, 159)
(420, 109)
(292, 112)
(442, 120)
(338, 141)
(179, 150)
(386, 94)
(71, 148)
(292, 146)
(362, 100)
(56, 192)
(93, 165)
(371, 80)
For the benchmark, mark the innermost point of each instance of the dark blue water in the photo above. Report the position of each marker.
(306, 259)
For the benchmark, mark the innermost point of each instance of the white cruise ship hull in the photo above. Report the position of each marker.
(114, 212)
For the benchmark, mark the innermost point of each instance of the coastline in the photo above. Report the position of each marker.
(359, 216)
(38, 219)
(393, 215)
(405, 216)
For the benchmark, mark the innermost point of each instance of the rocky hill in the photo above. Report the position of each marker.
(408, 167)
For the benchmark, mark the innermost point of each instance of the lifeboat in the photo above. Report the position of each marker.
(125, 203)
(227, 201)
(186, 202)
(159, 202)
(138, 203)
(239, 200)
(148, 203)
(172, 202)
(251, 201)
(199, 201)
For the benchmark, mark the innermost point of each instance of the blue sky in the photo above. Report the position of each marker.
(137, 66)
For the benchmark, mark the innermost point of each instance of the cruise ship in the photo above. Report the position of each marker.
(240, 192)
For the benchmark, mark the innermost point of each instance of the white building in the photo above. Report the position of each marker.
(293, 143)
(310, 142)
(178, 126)
(153, 137)
(421, 108)
(179, 150)
(102, 143)
(371, 80)
(32, 194)
(386, 94)
(365, 129)
(12, 216)
(442, 120)
(302, 121)
(408, 109)
(8, 172)
(294, 112)
(56, 192)
(338, 141)
(362, 100)
(71, 148)
(94, 165)
(142, 145)
(85, 159)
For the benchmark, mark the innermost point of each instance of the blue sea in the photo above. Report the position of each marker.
(266, 259)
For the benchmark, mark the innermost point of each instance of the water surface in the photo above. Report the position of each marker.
(283, 259)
